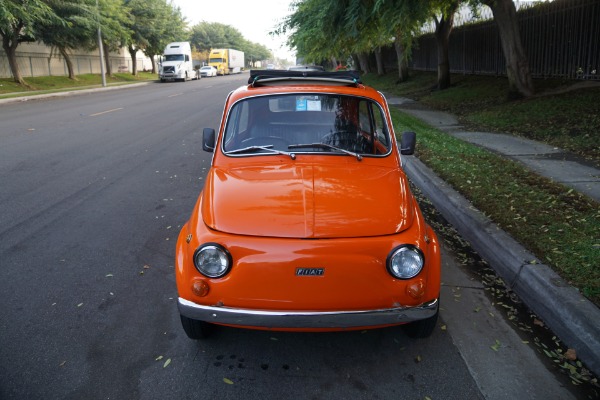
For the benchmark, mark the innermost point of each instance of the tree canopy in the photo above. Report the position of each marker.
(206, 36)
(18, 20)
(324, 29)
(140, 25)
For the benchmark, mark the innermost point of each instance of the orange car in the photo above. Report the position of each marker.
(306, 221)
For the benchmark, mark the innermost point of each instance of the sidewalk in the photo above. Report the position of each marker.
(545, 160)
(573, 318)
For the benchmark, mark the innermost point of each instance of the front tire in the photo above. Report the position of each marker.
(194, 329)
(421, 329)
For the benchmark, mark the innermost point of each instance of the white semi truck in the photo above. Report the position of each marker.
(177, 63)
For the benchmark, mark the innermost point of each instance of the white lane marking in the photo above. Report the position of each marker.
(107, 111)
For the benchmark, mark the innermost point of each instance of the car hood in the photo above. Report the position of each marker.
(309, 201)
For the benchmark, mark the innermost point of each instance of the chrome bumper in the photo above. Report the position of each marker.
(305, 319)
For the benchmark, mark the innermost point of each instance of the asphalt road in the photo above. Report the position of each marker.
(93, 191)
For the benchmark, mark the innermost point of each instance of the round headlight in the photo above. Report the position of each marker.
(405, 262)
(212, 260)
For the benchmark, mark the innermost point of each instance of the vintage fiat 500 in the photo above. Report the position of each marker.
(306, 221)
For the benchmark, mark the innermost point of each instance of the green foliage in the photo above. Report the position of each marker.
(18, 19)
(321, 29)
(75, 28)
(114, 19)
(168, 25)
(214, 35)
(206, 36)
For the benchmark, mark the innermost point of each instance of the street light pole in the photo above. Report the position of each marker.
(100, 48)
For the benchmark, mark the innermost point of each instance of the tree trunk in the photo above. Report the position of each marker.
(355, 61)
(334, 63)
(133, 53)
(402, 62)
(69, 62)
(107, 59)
(10, 48)
(363, 59)
(153, 60)
(379, 60)
(520, 83)
(443, 27)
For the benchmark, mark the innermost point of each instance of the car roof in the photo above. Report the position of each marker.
(279, 77)
(306, 68)
(278, 82)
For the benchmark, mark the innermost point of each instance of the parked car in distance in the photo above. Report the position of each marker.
(306, 68)
(306, 221)
(207, 71)
(270, 66)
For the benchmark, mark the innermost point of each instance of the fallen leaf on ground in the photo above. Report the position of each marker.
(158, 358)
(571, 355)
(166, 364)
(228, 381)
(496, 345)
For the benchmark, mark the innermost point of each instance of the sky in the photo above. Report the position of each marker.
(254, 19)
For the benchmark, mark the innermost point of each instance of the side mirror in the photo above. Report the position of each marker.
(407, 143)
(208, 140)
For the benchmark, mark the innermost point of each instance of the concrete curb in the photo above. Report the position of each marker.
(73, 92)
(574, 319)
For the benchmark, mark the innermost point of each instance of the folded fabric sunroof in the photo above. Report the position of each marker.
(274, 77)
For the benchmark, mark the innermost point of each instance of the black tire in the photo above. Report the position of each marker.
(194, 329)
(421, 329)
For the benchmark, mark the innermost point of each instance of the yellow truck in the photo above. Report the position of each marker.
(227, 61)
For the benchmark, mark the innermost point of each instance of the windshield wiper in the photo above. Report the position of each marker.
(268, 147)
(325, 146)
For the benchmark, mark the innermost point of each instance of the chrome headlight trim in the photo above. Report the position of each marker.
(405, 261)
(212, 260)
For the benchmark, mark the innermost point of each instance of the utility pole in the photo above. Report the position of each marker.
(101, 49)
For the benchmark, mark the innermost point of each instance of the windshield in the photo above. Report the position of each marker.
(215, 60)
(174, 57)
(307, 123)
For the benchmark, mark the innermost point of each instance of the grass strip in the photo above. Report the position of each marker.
(564, 113)
(49, 84)
(557, 224)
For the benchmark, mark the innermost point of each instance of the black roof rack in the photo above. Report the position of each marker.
(279, 77)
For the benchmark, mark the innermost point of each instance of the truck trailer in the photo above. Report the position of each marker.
(227, 61)
(177, 64)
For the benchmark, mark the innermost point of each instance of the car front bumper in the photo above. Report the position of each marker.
(304, 319)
